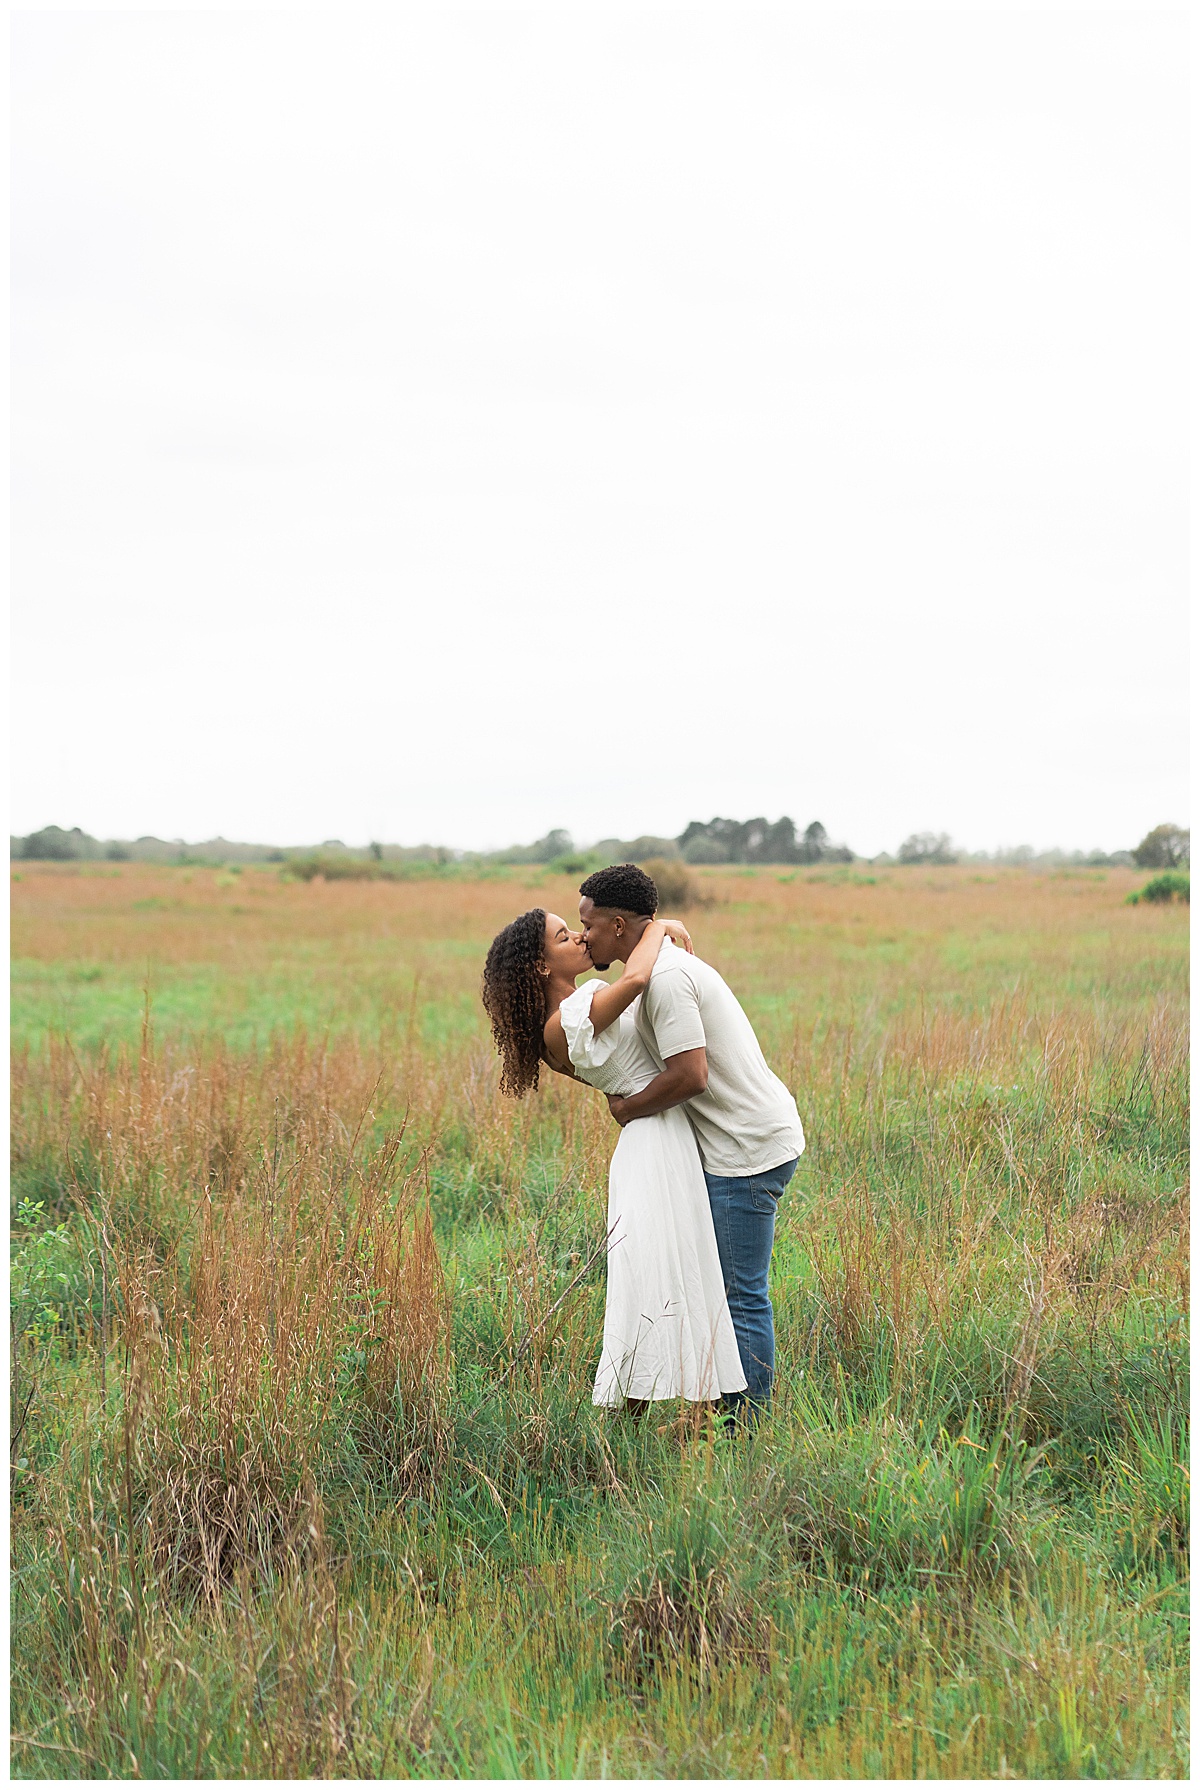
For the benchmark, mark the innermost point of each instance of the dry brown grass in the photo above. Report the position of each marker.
(339, 1320)
(704, 1622)
(134, 914)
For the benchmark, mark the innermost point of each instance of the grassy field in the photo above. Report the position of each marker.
(307, 1480)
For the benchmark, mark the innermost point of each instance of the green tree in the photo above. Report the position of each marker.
(58, 844)
(1164, 848)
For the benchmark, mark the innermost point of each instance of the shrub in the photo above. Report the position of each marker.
(928, 848)
(54, 1285)
(677, 887)
(575, 863)
(1172, 885)
(336, 867)
(333, 869)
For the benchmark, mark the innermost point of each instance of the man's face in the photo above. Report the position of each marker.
(605, 933)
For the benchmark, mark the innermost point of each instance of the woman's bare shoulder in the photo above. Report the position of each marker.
(554, 1047)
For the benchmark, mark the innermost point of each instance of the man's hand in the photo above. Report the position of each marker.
(681, 1078)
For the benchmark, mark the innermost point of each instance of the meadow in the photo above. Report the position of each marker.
(306, 1479)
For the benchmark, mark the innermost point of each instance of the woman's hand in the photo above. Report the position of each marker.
(678, 934)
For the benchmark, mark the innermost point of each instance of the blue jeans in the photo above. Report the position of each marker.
(743, 1209)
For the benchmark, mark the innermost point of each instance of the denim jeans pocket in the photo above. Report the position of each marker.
(762, 1200)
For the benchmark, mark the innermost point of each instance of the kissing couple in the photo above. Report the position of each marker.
(709, 1139)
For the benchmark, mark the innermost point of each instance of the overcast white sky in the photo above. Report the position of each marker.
(449, 426)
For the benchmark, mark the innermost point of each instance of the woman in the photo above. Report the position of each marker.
(667, 1329)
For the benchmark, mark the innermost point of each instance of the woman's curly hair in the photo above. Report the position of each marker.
(514, 996)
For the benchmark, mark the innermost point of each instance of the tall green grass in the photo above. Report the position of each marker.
(307, 1480)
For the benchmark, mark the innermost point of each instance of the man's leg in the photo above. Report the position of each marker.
(743, 1209)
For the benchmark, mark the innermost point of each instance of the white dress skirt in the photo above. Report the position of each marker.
(667, 1328)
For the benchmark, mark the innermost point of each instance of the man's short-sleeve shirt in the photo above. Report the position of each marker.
(745, 1121)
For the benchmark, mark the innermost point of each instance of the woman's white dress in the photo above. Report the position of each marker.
(667, 1329)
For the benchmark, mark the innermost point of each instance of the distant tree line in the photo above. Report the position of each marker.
(759, 841)
(61, 844)
(717, 841)
(1165, 847)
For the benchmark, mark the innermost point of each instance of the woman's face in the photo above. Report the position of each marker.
(564, 951)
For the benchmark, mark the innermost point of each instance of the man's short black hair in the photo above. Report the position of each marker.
(623, 886)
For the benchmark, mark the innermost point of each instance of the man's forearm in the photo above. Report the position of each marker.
(682, 1078)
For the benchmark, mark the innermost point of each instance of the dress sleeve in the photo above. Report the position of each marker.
(585, 1050)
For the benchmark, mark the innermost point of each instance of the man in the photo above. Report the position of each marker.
(745, 1120)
